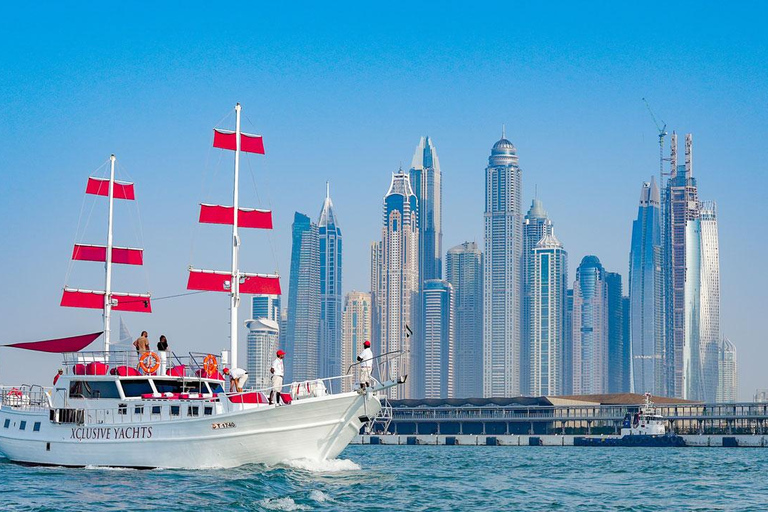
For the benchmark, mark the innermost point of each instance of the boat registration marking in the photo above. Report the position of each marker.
(217, 426)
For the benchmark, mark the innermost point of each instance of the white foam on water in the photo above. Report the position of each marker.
(323, 466)
(281, 504)
(109, 468)
(319, 496)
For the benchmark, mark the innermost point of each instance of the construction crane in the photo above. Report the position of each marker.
(662, 133)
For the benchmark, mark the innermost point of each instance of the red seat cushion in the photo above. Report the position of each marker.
(202, 373)
(253, 397)
(78, 369)
(125, 371)
(177, 371)
(96, 368)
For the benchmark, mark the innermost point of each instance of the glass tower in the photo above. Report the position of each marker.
(548, 284)
(590, 328)
(329, 234)
(644, 291)
(464, 270)
(501, 272)
(535, 227)
(395, 275)
(356, 322)
(439, 349)
(301, 363)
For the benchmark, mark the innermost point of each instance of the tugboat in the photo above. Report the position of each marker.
(110, 408)
(643, 428)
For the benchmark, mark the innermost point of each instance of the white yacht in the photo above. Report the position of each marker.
(645, 422)
(113, 408)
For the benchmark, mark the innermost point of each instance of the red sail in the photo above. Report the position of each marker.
(135, 302)
(225, 139)
(215, 281)
(100, 187)
(246, 217)
(59, 345)
(122, 255)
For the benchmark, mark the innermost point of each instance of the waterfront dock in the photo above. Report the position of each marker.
(713, 441)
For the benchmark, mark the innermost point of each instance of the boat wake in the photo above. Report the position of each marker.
(322, 466)
(282, 504)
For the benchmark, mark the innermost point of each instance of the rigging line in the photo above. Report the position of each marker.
(77, 230)
(155, 299)
(270, 234)
(80, 235)
(122, 169)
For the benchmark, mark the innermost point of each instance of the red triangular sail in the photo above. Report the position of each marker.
(246, 217)
(59, 345)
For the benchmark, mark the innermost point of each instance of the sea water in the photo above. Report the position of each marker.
(380, 478)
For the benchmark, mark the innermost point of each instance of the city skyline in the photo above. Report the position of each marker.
(585, 140)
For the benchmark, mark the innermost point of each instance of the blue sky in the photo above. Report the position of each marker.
(343, 93)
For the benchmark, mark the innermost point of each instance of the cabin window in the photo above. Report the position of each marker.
(122, 409)
(92, 389)
(36, 427)
(169, 386)
(139, 409)
(193, 410)
(7, 423)
(216, 388)
(175, 410)
(23, 425)
(156, 409)
(208, 411)
(136, 388)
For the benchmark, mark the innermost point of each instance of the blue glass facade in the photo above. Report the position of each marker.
(330, 239)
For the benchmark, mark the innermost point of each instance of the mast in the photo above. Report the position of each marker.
(108, 264)
(235, 283)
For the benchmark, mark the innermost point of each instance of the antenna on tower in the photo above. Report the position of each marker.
(662, 133)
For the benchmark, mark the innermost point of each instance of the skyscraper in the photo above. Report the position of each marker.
(395, 273)
(548, 285)
(709, 323)
(590, 328)
(463, 268)
(501, 272)
(645, 307)
(356, 322)
(303, 302)
(263, 335)
(728, 372)
(266, 306)
(329, 235)
(535, 226)
(618, 363)
(426, 182)
(568, 344)
(681, 207)
(439, 350)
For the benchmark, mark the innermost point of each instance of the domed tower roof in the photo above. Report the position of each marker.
(503, 152)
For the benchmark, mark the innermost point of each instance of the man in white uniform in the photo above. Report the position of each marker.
(277, 371)
(366, 365)
(237, 378)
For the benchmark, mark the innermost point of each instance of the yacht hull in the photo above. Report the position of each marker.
(315, 428)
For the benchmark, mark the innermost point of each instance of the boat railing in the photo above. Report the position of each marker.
(127, 363)
(26, 396)
(385, 366)
(299, 390)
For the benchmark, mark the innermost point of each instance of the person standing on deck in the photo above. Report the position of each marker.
(237, 379)
(142, 343)
(366, 365)
(162, 351)
(277, 371)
